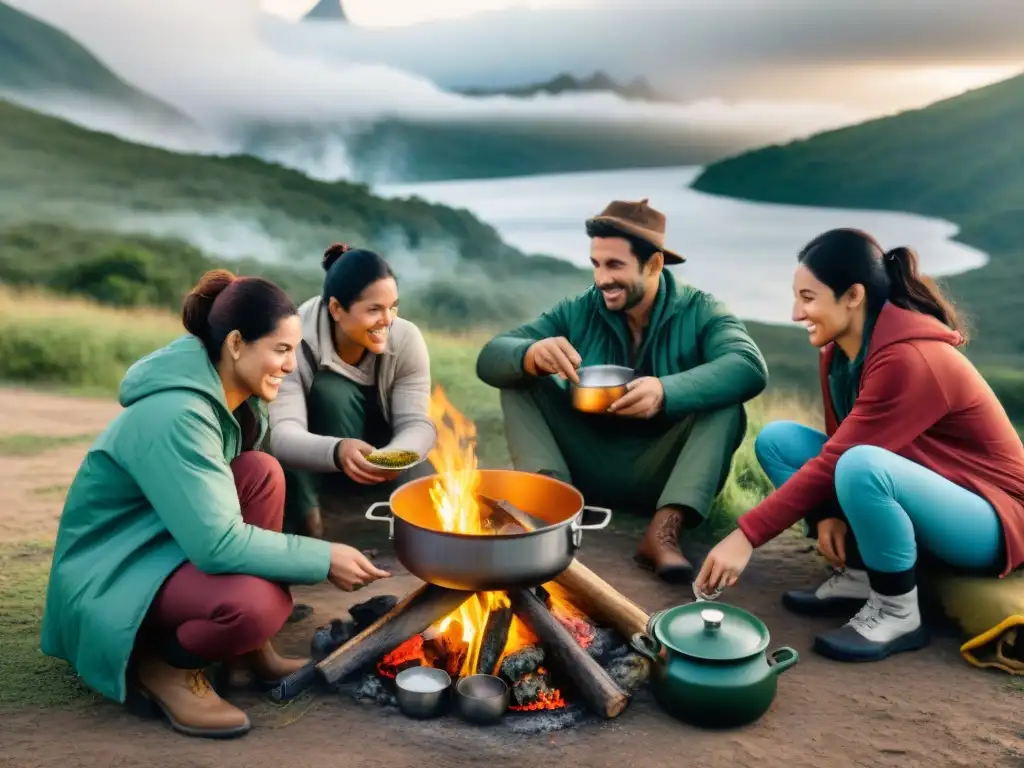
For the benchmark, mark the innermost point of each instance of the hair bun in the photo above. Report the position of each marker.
(333, 253)
(195, 309)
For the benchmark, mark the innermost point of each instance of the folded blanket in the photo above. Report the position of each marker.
(990, 612)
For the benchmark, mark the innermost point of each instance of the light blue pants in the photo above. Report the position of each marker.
(892, 504)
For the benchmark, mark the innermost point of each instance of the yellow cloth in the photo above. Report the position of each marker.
(990, 612)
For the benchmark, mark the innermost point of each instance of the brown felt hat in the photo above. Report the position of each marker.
(641, 220)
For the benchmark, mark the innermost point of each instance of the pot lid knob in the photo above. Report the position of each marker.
(712, 618)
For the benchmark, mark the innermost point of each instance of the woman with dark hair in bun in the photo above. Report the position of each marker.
(919, 461)
(361, 383)
(169, 554)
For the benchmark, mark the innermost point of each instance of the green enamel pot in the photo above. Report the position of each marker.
(710, 666)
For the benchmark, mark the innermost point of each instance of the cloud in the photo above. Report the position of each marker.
(215, 61)
(768, 70)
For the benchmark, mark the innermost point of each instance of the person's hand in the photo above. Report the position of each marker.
(643, 399)
(724, 564)
(352, 455)
(351, 569)
(832, 540)
(553, 356)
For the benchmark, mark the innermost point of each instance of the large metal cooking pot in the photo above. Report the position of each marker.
(482, 563)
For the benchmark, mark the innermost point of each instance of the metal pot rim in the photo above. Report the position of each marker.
(493, 536)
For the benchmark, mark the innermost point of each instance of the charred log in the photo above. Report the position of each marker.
(410, 616)
(494, 639)
(597, 689)
(523, 662)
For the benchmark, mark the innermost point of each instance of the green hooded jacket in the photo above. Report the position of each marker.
(702, 353)
(154, 490)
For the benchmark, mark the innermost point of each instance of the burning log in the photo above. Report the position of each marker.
(599, 599)
(494, 639)
(534, 692)
(600, 693)
(525, 661)
(411, 616)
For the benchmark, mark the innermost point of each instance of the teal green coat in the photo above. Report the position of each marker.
(703, 354)
(153, 491)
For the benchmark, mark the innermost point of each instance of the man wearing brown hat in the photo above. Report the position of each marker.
(666, 446)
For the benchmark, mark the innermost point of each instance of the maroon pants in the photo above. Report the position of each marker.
(217, 617)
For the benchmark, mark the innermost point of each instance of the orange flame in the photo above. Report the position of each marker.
(453, 494)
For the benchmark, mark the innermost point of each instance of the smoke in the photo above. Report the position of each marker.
(231, 67)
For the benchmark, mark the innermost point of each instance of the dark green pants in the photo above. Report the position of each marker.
(339, 407)
(616, 461)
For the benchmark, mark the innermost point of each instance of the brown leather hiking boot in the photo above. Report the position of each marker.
(268, 666)
(188, 701)
(659, 548)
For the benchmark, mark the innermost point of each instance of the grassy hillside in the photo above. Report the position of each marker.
(55, 173)
(961, 159)
(36, 58)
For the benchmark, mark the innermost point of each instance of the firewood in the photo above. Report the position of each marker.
(597, 689)
(411, 616)
(599, 600)
(495, 636)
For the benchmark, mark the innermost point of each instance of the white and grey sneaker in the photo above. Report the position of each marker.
(883, 626)
(843, 592)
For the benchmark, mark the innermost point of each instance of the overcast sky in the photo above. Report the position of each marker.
(811, 63)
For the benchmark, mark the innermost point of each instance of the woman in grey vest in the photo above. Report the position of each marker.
(362, 383)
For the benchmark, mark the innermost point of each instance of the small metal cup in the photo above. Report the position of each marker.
(482, 699)
(422, 704)
(600, 386)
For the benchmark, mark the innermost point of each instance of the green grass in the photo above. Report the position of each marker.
(30, 679)
(33, 445)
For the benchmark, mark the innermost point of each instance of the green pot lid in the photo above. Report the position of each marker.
(711, 631)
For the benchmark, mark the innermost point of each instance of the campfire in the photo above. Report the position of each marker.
(483, 636)
(555, 644)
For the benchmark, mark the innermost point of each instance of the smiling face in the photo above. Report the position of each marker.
(618, 275)
(368, 321)
(826, 317)
(259, 366)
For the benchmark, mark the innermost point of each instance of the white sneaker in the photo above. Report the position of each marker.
(844, 591)
(883, 626)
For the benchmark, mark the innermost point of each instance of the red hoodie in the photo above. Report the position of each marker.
(920, 398)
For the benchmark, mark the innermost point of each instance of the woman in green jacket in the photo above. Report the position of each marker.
(169, 554)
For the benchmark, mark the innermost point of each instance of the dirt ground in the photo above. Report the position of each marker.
(924, 709)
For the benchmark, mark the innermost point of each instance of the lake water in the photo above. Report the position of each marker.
(743, 252)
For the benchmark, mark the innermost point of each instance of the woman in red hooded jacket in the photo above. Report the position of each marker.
(919, 459)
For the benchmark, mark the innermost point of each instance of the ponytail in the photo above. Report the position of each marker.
(910, 290)
(221, 303)
(348, 277)
(196, 308)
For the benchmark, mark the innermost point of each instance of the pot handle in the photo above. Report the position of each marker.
(595, 526)
(578, 528)
(653, 619)
(782, 659)
(646, 646)
(390, 518)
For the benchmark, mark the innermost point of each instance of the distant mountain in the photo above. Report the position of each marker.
(39, 61)
(403, 150)
(326, 10)
(241, 207)
(961, 159)
(639, 89)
